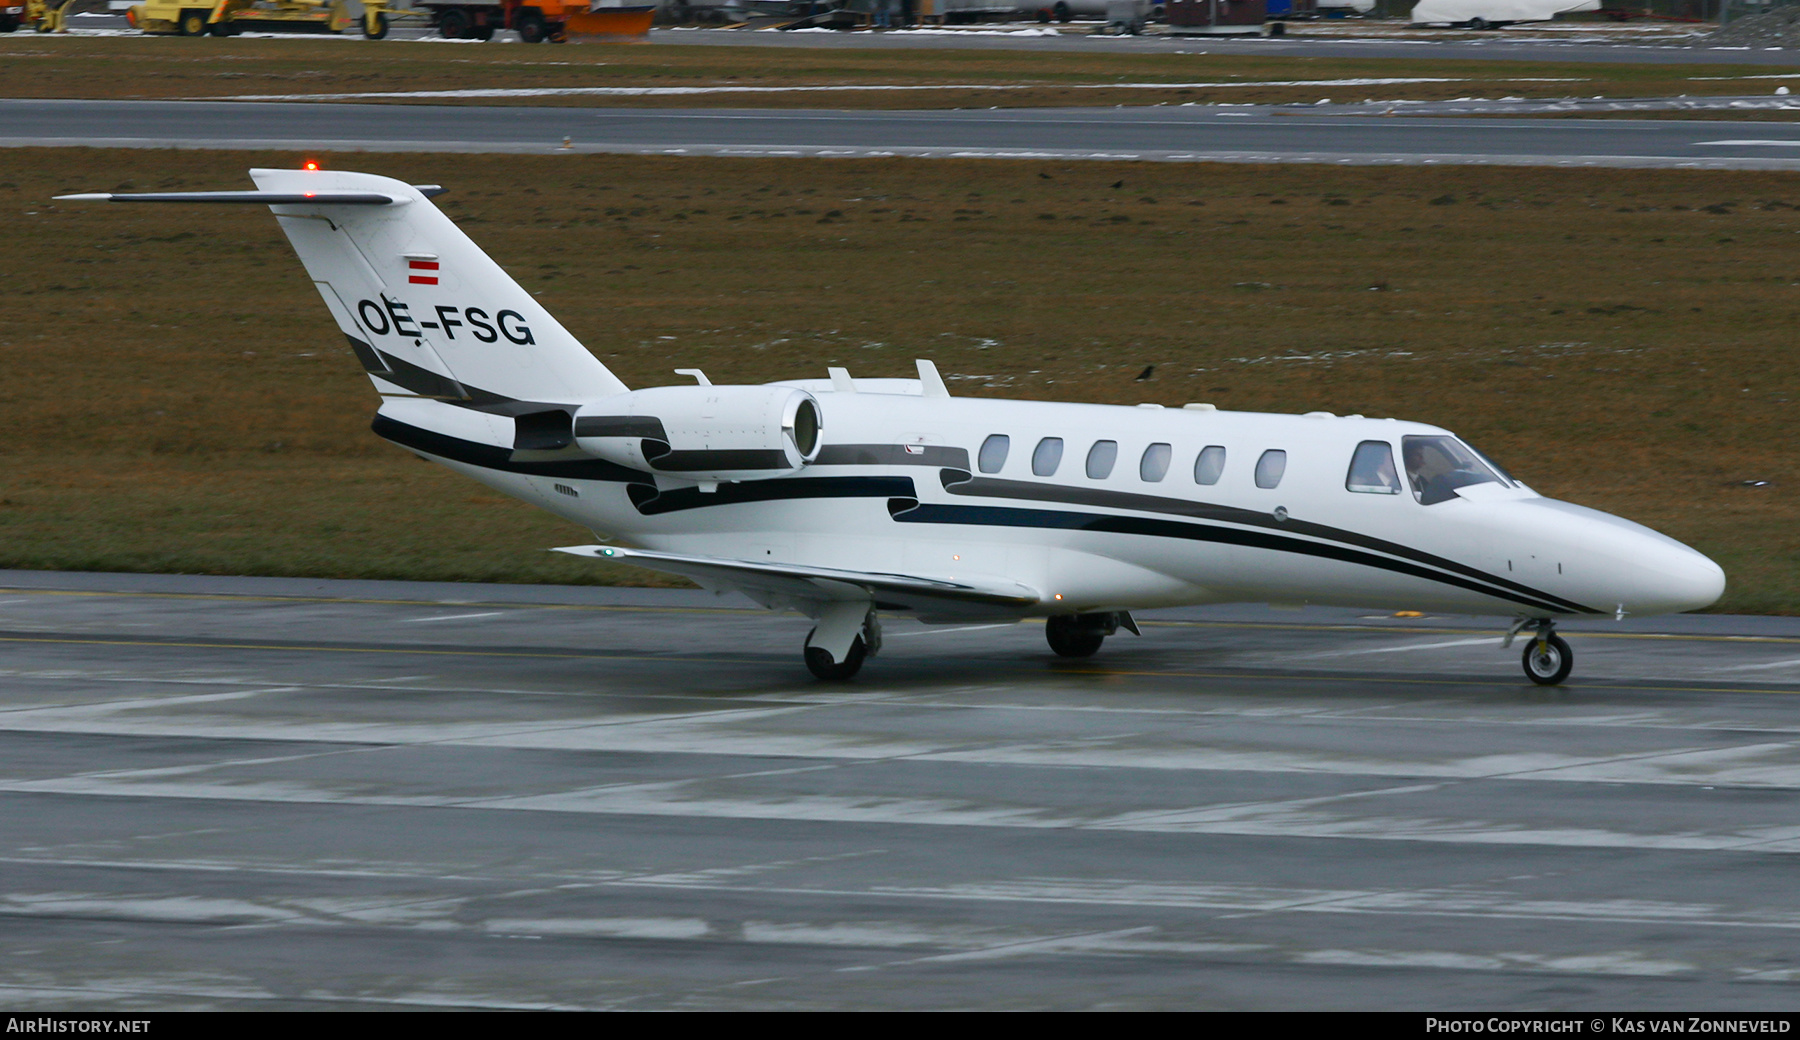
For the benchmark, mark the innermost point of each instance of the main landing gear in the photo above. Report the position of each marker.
(847, 634)
(1080, 635)
(1547, 659)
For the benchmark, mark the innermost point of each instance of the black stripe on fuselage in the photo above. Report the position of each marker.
(620, 426)
(892, 455)
(652, 502)
(703, 461)
(908, 511)
(643, 492)
(488, 456)
(963, 483)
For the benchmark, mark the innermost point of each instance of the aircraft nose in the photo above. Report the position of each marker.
(1631, 567)
(1676, 578)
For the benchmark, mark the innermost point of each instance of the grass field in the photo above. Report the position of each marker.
(180, 401)
(33, 66)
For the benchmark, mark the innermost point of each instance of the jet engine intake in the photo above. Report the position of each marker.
(706, 434)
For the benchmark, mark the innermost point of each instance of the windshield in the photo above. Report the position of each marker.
(1437, 466)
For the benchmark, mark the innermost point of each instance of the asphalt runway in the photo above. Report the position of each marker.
(1141, 133)
(271, 793)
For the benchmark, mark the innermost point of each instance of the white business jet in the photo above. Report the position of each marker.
(846, 499)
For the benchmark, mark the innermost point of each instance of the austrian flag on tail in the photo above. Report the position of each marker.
(424, 272)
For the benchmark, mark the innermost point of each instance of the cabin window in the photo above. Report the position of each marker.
(1155, 464)
(1101, 458)
(1047, 457)
(993, 453)
(1372, 470)
(1209, 465)
(1437, 466)
(1270, 467)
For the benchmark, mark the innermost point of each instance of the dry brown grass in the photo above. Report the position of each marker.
(179, 400)
(166, 67)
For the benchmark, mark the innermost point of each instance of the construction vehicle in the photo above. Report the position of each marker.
(42, 15)
(230, 17)
(539, 20)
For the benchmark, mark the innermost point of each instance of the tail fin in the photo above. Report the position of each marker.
(426, 310)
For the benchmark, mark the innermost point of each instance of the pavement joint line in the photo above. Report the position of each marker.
(668, 880)
(436, 603)
(1054, 669)
(745, 611)
(927, 700)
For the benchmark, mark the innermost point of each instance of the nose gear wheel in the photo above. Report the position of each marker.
(1548, 659)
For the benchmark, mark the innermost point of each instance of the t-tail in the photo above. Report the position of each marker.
(427, 312)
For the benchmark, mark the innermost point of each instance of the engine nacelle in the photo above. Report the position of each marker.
(705, 434)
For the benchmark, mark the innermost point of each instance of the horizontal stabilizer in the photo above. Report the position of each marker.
(797, 581)
(266, 198)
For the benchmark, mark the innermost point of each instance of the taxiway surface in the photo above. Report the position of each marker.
(1143, 133)
(277, 793)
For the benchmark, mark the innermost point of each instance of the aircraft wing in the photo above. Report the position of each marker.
(791, 581)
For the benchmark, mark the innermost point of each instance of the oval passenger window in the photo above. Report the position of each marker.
(1270, 467)
(993, 453)
(1209, 465)
(1155, 464)
(1101, 458)
(1047, 457)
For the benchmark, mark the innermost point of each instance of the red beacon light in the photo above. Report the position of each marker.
(310, 164)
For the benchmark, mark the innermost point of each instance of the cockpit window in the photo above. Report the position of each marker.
(1437, 466)
(1372, 470)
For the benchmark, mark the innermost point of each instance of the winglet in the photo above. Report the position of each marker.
(930, 383)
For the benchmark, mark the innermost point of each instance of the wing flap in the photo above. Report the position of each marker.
(799, 581)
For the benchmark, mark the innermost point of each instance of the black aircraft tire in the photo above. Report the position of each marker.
(1549, 665)
(1068, 639)
(819, 662)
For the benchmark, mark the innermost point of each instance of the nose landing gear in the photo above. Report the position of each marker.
(1547, 659)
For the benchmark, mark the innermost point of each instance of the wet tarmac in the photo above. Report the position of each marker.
(272, 793)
